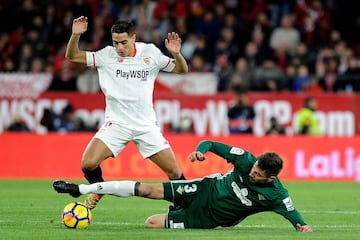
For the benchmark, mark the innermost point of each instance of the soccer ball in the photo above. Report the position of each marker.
(76, 215)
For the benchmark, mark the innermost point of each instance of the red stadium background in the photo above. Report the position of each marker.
(58, 156)
(335, 156)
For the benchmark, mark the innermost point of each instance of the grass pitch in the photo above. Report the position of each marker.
(31, 209)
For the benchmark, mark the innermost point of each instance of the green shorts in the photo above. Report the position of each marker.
(190, 199)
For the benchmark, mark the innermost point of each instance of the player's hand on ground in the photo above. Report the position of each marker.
(305, 228)
(173, 43)
(80, 25)
(196, 156)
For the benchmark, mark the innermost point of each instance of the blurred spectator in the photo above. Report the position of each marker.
(82, 126)
(146, 22)
(49, 26)
(290, 73)
(158, 40)
(350, 80)
(197, 64)
(25, 14)
(108, 12)
(185, 125)
(327, 69)
(37, 65)
(302, 79)
(47, 119)
(188, 47)
(285, 37)
(18, 125)
(268, 77)
(32, 38)
(306, 122)
(233, 22)
(88, 81)
(250, 10)
(262, 46)
(264, 26)
(240, 78)
(8, 65)
(65, 80)
(223, 69)
(82, 8)
(322, 17)
(126, 12)
(201, 49)
(279, 8)
(303, 56)
(209, 27)
(252, 56)
(99, 38)
(196, 10)
(314, 86)
(275, 128)
(254, 30)
(343, 53)
(241, 115)
(65, 122)
(309, 33)
(25, 57)
(227, 35)
(334, 38)
(4, 47)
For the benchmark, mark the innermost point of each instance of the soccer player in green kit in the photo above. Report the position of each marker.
(225, 200)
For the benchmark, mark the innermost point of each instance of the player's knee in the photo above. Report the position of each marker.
(89, 164)
(174, 174)
(177, 176)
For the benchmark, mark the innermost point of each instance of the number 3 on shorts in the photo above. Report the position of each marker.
(190, 189)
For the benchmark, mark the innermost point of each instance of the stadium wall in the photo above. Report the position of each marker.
(56, 155)
(338, 114)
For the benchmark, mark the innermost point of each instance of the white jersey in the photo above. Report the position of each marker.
(128, 82)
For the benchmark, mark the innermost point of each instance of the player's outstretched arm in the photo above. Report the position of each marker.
(173, 45)
(303, 228)
(73, 52)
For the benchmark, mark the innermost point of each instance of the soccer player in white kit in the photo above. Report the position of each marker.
(127, 72)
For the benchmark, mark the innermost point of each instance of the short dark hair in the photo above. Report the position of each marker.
(271, 163)
(308, 100)
(123, 26)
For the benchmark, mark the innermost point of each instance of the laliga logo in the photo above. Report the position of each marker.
(328, 166)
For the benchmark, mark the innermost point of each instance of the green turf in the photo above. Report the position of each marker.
(31, 210)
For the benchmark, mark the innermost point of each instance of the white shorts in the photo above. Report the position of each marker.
(148, 140)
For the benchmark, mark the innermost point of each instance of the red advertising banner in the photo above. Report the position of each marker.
(54, 156)
(338, 114)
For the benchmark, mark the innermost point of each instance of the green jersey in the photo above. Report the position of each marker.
(228, 199)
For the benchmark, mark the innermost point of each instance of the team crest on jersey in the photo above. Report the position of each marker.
(237, 151)
(261, 197)
(147, 60)
(120, 60)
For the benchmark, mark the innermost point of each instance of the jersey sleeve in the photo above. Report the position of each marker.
(95, 59)
(229, 153)
(286, 208)
(165, 63)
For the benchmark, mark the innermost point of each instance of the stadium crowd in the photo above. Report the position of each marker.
(295, 45)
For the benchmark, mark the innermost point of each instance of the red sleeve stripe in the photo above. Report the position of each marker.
(167, 64)
(93, 56)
